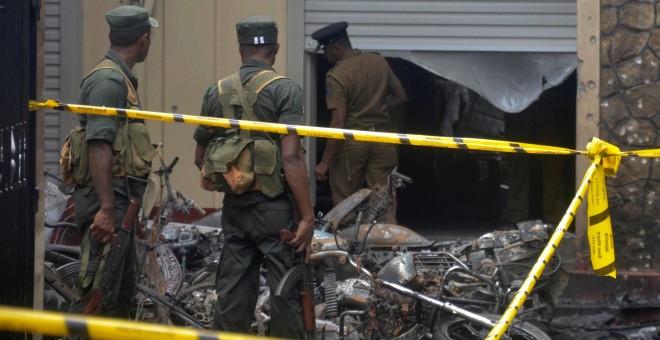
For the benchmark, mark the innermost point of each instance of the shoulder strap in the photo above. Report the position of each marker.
(131, 99)
(228, 99)
(107, 64)
(261, 80)
(227, 86)
(247, 109)
(232, 85)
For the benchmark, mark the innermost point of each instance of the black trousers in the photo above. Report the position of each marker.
(252, 236)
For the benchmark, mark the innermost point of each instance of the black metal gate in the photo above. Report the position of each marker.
(18, 194)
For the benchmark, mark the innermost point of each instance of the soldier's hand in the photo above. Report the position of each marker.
(103, 227)
(303, 240)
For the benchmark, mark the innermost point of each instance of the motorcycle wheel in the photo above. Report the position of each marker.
(457, 328)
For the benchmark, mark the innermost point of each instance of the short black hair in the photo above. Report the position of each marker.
(122, 39)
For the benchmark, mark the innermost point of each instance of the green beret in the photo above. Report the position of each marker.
(256, 30)
(129, 18)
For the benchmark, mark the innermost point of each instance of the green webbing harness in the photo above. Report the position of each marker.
(266, 153)
(232, 93)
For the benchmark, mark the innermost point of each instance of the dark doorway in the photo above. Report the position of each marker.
(453, 192)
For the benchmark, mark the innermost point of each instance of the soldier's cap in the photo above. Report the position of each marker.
(329, 34)
(129, 18)
(256, 30)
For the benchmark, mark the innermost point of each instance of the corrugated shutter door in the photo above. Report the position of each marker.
(459, 25)
(52, 74)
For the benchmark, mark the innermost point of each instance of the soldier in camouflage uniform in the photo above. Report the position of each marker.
(360, 89)
(102, 201)
(252, 221)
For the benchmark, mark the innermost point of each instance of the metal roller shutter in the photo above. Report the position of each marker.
(460, 25)
(52, 83)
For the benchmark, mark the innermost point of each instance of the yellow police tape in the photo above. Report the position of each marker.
(313, 131)
(601, 240)
(57, 324)
(605, 161)
(603, 264)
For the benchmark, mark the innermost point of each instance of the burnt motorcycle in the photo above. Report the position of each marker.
(414, 295)
(383, 281)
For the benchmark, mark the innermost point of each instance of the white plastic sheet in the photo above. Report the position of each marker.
(55, 203)
(511, 81)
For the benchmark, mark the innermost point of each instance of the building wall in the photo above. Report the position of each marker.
(194, 46)
(630, 119)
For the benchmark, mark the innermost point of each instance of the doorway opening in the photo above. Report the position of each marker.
(453, 192)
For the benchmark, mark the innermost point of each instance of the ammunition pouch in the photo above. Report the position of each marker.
(235, 166)
(132, 150)
(132, 153)
(74, 164)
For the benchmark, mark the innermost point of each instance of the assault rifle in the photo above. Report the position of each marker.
(102, 293)
(303, 271)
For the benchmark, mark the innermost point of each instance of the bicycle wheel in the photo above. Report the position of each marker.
(198, 301)
(457, 328)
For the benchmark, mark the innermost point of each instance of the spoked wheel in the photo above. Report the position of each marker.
(456, 328)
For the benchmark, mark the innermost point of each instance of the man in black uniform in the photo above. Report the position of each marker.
(252, 220)
(102, 199)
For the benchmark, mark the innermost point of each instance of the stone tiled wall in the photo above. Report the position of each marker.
(630, 119)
